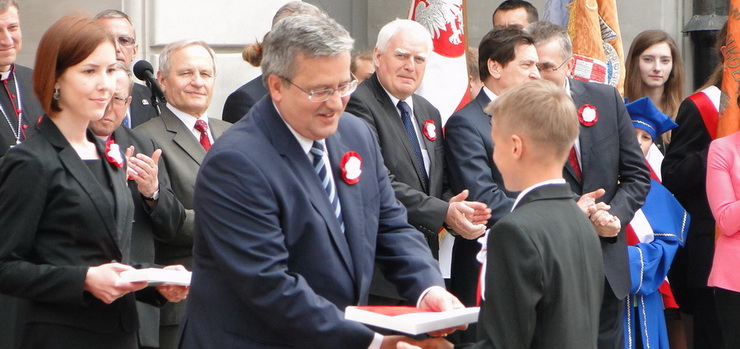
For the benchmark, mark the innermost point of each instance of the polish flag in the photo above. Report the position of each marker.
(445, 82)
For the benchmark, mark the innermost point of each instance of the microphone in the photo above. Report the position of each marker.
(144, 71)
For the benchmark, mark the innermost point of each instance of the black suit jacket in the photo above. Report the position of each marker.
(160, 223)
(142, 109)
(273, 268)
(427, 206)
(29, 104)
(240, 101)
(544, 276)
(610, 159)
(56, 223)
(685, 175)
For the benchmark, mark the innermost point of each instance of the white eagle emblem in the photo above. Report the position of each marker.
(435, 15)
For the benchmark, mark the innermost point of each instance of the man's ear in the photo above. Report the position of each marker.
(160, 80)
(276, 87)
(517, 146)
(494, 68)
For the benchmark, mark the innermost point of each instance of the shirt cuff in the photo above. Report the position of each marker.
(377, 341)
(418, 302)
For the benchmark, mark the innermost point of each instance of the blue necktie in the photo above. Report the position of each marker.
(319, 166)
(411, 133)
(127, 120)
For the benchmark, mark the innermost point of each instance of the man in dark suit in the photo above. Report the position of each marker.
(18, 104)
(240, 101)
(184, 132)
(15, 127)
(409, 131)
(507, 57)
(605, 156)
(543, 267)
(295, 206)
(118, 24)
(157, 212)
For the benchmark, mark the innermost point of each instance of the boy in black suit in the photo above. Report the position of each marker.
(542, 263)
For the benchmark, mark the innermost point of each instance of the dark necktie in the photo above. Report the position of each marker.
(202, 126)
(319, 166)
(573, 160)
(411, 133)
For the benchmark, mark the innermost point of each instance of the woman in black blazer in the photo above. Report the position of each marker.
(66, 210)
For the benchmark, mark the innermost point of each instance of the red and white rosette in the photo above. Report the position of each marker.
(113, 153)
(351, 167)
(588, 115)
(430, 130)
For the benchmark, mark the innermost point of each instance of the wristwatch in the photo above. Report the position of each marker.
(154, 196)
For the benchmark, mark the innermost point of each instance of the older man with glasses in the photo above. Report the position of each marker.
(118, 24)
(294, 207)
(409, 130)
(605, 156)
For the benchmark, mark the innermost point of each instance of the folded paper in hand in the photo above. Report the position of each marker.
(411, 320)
(156, 276)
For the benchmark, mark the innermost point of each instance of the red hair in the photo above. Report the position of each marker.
(66, 43)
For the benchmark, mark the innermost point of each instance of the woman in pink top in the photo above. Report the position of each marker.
(723, 192)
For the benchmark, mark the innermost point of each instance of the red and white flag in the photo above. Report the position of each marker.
(445, 82)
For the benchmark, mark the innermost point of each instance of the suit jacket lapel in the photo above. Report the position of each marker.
(122, 197)
(77, 168)
(391, 112)
(580, 97)
(294, 157)
(217, 129)
(350, 200)
(183, 137)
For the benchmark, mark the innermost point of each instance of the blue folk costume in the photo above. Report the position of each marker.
(653, 236)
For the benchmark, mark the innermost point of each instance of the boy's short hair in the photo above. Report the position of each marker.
(539, 110)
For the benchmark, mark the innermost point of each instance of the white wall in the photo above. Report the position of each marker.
(230, 24)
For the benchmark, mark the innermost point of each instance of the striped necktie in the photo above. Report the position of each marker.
(319, 166)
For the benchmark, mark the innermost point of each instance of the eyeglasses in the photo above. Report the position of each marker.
(126, 40)
(324, 95)
(121, 100)
(548, 68)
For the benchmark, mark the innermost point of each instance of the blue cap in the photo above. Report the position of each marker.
(646, 116)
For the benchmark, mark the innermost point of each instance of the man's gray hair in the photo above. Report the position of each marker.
(166, 56)
(129, 76)
(5, 4)
(392, 28)
(543, 32)
(295, 8)
(312, 36)
(111, 13)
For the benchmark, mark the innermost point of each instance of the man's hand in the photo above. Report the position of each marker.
(588, 200)
(106, 284)
(606, 224)
(174, 293)
(144, 170)
(431, 343)
(438, 299)
(467, 218)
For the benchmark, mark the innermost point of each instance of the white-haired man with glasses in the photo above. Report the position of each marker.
(294, 208)
(119, 25)
(605, 156)
(409, 131)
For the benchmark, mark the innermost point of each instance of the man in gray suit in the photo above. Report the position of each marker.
(184, 132)
(409, 130)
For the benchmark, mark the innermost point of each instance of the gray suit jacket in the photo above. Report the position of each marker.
(182, 156)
